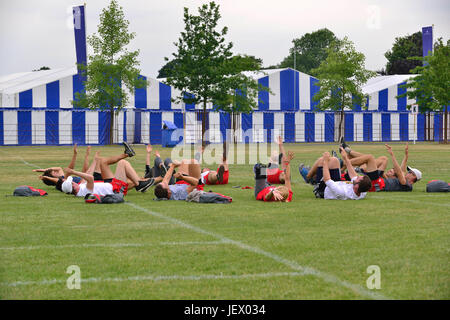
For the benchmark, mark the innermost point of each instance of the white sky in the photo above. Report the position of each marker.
(37, 33)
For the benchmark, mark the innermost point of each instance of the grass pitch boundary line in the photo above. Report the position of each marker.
(159, 278)
(291, 264)
(112, 245)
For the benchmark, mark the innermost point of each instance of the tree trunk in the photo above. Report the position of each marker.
(204, 124)
(341, 120)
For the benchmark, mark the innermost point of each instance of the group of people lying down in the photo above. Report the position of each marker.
(348, 177)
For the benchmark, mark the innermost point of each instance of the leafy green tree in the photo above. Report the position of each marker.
(112, 68)
(341, 76)
(206, 70)
(310, 50)
(403, 49)
(431, 87)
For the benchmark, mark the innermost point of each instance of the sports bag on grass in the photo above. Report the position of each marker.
(27, 191)
(109, 198)
(438, 186)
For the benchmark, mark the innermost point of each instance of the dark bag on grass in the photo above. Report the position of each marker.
(27, 191)
(438, 186)
(201, 196)
(109, 198)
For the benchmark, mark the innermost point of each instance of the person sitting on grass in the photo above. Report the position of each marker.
(266, 192)
(328, 177)
(188, 177)
(125, 177)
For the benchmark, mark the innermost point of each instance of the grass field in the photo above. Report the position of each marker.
(145, 249)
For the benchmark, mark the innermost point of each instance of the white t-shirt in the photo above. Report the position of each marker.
(100, 188)
(341, 190)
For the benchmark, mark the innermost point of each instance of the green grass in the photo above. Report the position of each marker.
(147, 249)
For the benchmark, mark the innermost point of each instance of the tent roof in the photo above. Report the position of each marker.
(19, 82)
(379, 83)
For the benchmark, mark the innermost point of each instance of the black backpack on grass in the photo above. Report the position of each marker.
(109, 198)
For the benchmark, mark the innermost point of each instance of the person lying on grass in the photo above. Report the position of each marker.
(381, 162)
(125, 177)
(398, 181)
(266, 192)
(219, 176)
(159, 169)
(188, 177)
(275, 175)
(51, 175)
(328, 179)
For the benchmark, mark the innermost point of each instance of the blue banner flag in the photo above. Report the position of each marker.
(427, 41)
(79, 26)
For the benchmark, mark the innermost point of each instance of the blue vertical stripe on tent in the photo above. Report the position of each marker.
(164, 97)
(79, 127)
(401, 102)
(77, 82)
(104, 125)
(356, 106)
(52, 127)
(329, 127)
(349, 127)
(289, 97)
(263, 96)
(26, 99)
(2, 139)
(52, 91)
(383, 100)
(137, 126)
(310, 127)
(140, 96)
(289, 127)
(313, 89)
(438, 118)
(125, 126)
(268, 125)
(225, 124)
(404, 126)
(178, 120)
(247, 126)
(189, 106)
(24, 127)
(24, 117)
(385, 127)
(367, 127)
(420, 127)
(155, 127)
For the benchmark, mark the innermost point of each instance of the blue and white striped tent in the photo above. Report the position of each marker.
(35, 109)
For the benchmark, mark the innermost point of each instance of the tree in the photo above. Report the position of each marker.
(403, 49)
(167, 70)
(111, 66)
(341, 76)
(206, 70)
(431, 87)
(310, 50)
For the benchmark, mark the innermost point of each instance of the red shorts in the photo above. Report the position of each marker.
(377, 185)
(273, 176)
(119, 186)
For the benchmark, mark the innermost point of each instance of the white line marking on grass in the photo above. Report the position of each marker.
(25, 162)
(160, 278)
(113, 245)
(291, 264)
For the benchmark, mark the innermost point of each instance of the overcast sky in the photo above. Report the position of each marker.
(40, 33)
